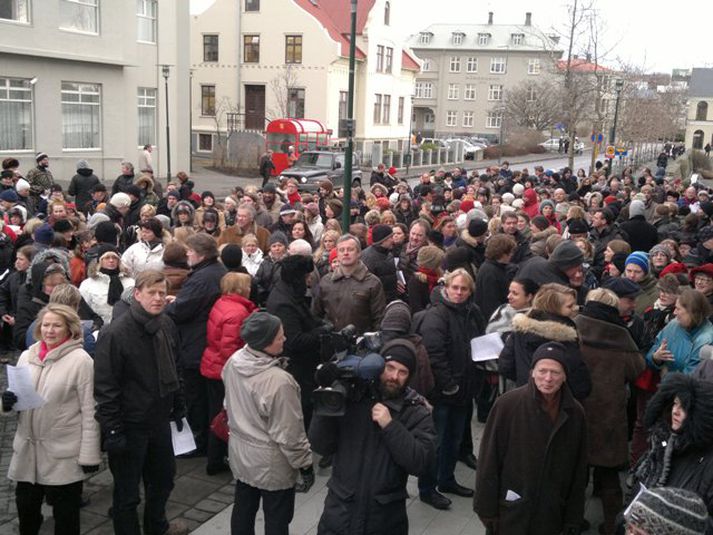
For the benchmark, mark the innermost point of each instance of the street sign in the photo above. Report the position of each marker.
(621, 151)
(597, 138)
(600, 138)
(609, 153)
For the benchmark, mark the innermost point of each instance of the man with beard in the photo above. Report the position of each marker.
(375, 446)
(40, 179)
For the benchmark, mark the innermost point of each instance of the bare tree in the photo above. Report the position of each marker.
(281, 86)
(533, 104)
(223, 107)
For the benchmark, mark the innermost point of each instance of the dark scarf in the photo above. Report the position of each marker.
(600, 311)
(115, 286)
(165, 357)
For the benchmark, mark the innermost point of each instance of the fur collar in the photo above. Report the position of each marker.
(546, 327)
(468, 239)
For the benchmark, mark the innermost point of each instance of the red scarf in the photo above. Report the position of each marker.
(44, 349)
(431, 277)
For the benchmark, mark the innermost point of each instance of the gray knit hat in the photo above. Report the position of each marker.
(259, 330)
(567, 255)
(397, 317)
(637, 208)
(668, 510)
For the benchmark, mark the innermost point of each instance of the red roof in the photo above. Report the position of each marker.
(581, 65)
(408, 63)
(335, 16)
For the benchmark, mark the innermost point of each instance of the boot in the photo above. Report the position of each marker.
(612, 503)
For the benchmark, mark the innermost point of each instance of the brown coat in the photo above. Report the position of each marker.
(175, 276)
(234, 234)
(613, 360)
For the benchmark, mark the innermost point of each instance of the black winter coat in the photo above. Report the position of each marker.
(380, 262)
(367, 491)
(9, 291)
(491, 287)
(121, 183)
(447, 330)
(642, 234)
(530, 331)
(191, 309)
(80, 187)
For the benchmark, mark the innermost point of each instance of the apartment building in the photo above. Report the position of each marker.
(83, 79)
(467, 68)
(699, 116)
(257, 60)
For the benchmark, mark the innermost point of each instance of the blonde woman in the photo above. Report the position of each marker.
(321, 255)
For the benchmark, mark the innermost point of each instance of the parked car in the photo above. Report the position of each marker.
(435, 141)
(469, 150)
(553, 145)
(312, 167)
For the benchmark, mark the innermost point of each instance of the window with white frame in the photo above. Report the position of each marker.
(468, 119)
(531, 94)
(205, 142)
(494, 120)
(379, 58)
(427, 65)
(400, 112)
(16, 113)
(471, 64)
(17, 10)
(146, 11)
(495, 92)
(423, 90)
(386, 115)
(389, 62)
(497, 65)
(251, 5)
(469, 93)
(81, 115)
(377, 108)
(424, 38)
(451, 118)
(517, 38)
(455, 64)
(483, 38)
(147, 116)
(457, 38)
(79, 15)
(429, 118)
(453, 92)
(533, 66)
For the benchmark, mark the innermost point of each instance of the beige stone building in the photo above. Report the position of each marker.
(83, 80)
(699, 116)
(467, 68)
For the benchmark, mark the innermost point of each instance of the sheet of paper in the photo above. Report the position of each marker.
(487, 347)
(400, 277)
(512, 496)
(183, 441)
(20, 382)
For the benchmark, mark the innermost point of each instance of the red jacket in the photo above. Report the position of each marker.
(223, 333)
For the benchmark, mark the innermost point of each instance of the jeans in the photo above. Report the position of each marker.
(148, 456)
(64, 499)
(450, 423)
(217, 449)
(277, 505)
(195, 387)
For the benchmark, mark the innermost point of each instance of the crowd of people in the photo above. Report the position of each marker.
(141, 309)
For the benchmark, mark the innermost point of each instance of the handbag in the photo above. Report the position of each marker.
(219, 425)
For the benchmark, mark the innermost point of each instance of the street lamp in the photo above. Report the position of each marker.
(618, 86)
(165, 71)
(347, 198)
(409, 154)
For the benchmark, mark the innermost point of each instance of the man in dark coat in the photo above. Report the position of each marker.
(603, 231)
(190, 311)
(378, 260)
(509, 226)
(533, 455)
(375, 448)
(642, 234)
(82, 184)
(125, 179)
(564, 266)
(491, 284)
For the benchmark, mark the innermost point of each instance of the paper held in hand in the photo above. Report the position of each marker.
(19, 381)
(487, 347)
(183, 441)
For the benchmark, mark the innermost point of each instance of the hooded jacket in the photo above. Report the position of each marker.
(95, 290)
(80, 187)
(181, 231)
(531, 206)
(141, 256)
(268, 443)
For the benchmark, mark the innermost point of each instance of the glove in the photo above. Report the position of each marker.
(8, 400)
(114, 441)
(177, 418)
(326, 327)
(90, 469)
(307, 479)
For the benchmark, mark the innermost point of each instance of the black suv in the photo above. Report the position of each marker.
(312, 167)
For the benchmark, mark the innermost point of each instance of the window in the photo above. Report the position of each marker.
(495, 119)
(469, 93)
(205, 142)
(483, 38)
(424, 38)
(342, 113)
(427, 65)
(147, 116)
(387, 13)
(210, 48)
(379, 58)
(377, 108)
(81, 113)
(471, 64)
(16, 113)
(531, 94)
(457, 38)
(497, 65)
(451, 118)
(453, 92)
(533, 66)
(251, 48)
(455, 64)
(386, 116)
(208, 100)
(296, 103)
(16, 10)
(468, 119)
(517, 38)
(146, 18)
(252, 5)
(400, 113)
(702, 111)
(79, 15)
(389, 59)
(495, 92)
(423, 90)
(293, 49)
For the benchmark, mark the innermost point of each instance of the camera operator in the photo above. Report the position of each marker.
(375, 446)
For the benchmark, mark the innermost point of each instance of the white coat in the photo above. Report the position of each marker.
(95, 291)
(140, 257)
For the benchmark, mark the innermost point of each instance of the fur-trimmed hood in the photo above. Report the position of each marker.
(544, 325)
(145, 182)
(186, 205)
(468, 239)
(93, 269)
(56, 256)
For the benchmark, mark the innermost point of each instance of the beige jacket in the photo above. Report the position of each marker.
(53, 441)
(268, 443)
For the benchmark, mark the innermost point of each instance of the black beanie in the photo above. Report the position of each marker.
(402, 351)
(232, 256)
(619, 261)
(553, 351)
(62, 225)
(106, 232)
(477, 227)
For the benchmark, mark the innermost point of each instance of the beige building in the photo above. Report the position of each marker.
(699, 116)
(466, 70)
(83, 80)
(257, 60)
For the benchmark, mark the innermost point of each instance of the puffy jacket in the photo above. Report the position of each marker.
(95, 290)
(140, 257)
(268, 443)
(684, 344)
(80, 187)
(51, 442)
(223, 332)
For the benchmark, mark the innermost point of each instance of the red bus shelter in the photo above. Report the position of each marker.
(301, 134)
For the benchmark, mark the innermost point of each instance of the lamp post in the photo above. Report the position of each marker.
(618, 86)
(166, 70)
(347, 198)
(409, 154)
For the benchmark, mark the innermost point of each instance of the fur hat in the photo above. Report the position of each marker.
(402, 351)
(260, 329)
(668, 510)
(669, 283)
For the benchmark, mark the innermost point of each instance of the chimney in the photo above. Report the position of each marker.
(528, 19)
(490, 17)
